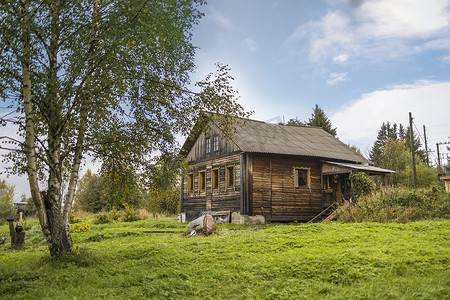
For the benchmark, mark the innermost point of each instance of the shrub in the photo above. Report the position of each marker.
(131, 214)
(102, 218)
(7, 209)
(364, 185)
(399, 205)
(164, 201)
(2, 238)
(115, 214)
(72, 218)
(79, 227)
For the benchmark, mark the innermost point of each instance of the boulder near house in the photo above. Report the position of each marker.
(266, 171)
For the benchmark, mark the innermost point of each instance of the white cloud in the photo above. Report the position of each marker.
(446, 59)
(359, 122)
(375, 30)
(403, 18)
(250, 45)
(218, 18)
(341, 58)
(335, 78)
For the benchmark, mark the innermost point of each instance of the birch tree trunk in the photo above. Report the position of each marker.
(78, 151)
(58, 241)
(29, 143)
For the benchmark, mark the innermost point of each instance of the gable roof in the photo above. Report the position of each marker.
(260, 137)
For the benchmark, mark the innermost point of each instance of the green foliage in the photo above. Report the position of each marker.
(102, 218)
(7, 208)
(89, 193)
(363, 184)
(163, 195)
(319, 119)
(72, 218)
(164, 202)
(109, 79)
(131, 214)
(399, 205)
(120, 185)
(116, 187)
(115, 214)
(426, 176)
(391, 141)
(396, 156)
(277, 261)
(84, 227)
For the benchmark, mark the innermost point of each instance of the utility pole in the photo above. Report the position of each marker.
(411, 134)
(426, 147)
(439, 158)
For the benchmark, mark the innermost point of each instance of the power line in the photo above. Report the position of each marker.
(418, 132)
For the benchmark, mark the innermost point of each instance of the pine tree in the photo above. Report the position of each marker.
(386, 132)
(319, 119)
(416, 144)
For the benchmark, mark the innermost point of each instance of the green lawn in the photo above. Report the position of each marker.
(278, 261)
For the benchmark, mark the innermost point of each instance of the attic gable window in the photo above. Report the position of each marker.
(215, 143)
(207, 145)
(302, 177)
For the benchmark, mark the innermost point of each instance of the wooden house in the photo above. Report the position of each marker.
(278, 172)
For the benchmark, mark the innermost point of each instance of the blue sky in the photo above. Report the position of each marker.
(364, 62)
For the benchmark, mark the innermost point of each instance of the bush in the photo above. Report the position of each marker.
(72, 218)
(2, 238)
(364, 185)
(7, 209)
(79, 227)
(115, 214)
(399, 205)
(163, 202)
(131, 214)
(102, 218)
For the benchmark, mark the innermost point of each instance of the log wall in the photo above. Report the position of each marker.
(197, 201)
(273, 192)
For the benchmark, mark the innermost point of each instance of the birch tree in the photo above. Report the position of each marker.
(104, 77)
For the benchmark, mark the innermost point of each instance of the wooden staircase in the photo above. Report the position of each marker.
(328, 214)
(324, 214)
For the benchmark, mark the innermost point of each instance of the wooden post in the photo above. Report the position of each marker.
(11, 229)
(426, 145)
(411, 134)
(439, 159)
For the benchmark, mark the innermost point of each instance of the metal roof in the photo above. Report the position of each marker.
(367, 168)
(259, 137)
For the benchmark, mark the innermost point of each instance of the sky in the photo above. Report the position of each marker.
(363, 62)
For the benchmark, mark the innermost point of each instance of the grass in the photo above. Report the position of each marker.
(120, 260)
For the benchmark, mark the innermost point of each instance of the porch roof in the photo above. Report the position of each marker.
(341, 167)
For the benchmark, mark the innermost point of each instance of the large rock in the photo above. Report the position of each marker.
(202, 225)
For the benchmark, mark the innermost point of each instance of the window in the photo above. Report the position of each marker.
(215, 179)
(202, 181)
(229, 176)
(207, 145)
(190, 182)
(302, 177)
(216, 143)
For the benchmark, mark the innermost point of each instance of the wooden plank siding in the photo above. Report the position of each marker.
(198, 152)
(274, 194)
(224, 198)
